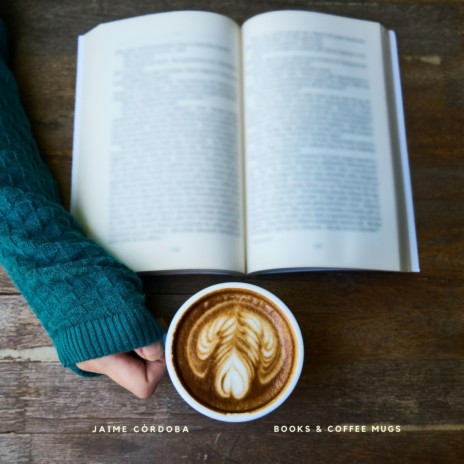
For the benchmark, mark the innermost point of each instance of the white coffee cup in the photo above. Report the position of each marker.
(286, 390)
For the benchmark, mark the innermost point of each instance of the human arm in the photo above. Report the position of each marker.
(91, 305)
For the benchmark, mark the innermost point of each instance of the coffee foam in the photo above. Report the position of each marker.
(234, 351)
(242, 345)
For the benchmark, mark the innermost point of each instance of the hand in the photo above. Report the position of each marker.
(140, 375)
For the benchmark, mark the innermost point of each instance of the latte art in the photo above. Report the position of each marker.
(234, 351)
(242, 345)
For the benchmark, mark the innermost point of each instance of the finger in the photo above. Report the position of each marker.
(151, 352)
(134, 374)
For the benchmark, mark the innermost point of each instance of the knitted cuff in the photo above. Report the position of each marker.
(118, 333)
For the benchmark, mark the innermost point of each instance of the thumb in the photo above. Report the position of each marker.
(151, 352)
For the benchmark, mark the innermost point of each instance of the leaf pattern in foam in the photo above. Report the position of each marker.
(241, 345)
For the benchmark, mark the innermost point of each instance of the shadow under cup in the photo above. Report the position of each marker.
(234, 352)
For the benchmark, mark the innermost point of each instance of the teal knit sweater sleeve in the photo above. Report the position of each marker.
(90, 304)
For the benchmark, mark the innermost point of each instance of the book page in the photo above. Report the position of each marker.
(319, 174)
(157, 162)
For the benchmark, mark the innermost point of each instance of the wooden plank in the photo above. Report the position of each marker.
(15, 448)
(239, 447)
(437, 272)
(12, 407)
(424, 447)
(417, 394)
(423, 23)
(19, 327)
(6, 285)
(339, 320)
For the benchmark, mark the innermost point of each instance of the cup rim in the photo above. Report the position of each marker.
(242, 416)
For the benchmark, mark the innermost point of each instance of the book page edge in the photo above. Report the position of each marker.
(77, 116)
(403, 150)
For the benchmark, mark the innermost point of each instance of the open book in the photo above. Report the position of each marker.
(278, 145)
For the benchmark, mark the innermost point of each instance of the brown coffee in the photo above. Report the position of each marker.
(234, 351)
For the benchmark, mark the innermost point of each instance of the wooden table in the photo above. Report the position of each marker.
(381, 348)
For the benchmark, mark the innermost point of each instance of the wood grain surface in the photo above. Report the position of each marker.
(381, 348)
